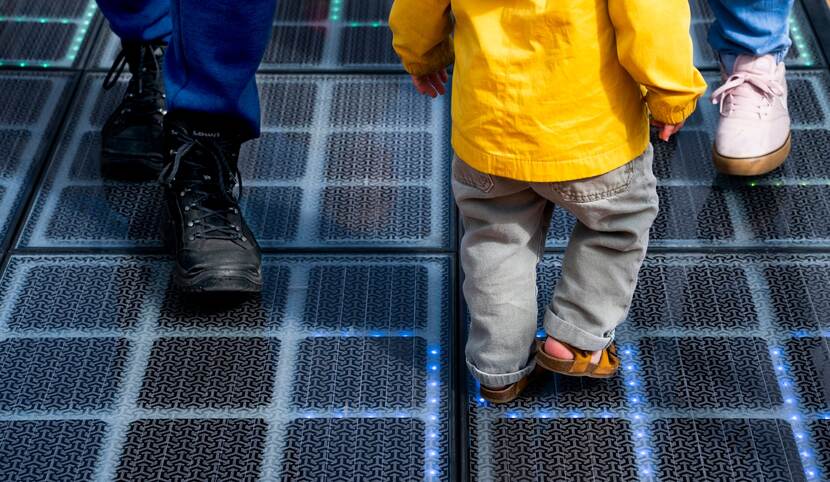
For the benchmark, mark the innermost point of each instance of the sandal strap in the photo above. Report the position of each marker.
(609, 362)
(581, 363)
(582, 359)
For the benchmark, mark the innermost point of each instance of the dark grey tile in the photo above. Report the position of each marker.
(185, 372)
(560, 449)
(708, 373)
(345, 297)
(193, 449)
(692, 297)
(799, 295)
(52, 374)
(54, 450)
(809, 360)
(354, 449)
(64, 295)
(361, 373)
(370, 45)
(726, 449)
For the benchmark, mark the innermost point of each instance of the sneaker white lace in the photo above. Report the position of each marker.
(753, 134)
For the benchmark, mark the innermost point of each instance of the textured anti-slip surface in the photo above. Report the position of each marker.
(349, 366)
(343, 161)
(29, 106)
(724, 377)
(44, 33)
(338, 371)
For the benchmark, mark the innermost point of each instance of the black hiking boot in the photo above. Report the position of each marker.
(215, 250)
(132, 139)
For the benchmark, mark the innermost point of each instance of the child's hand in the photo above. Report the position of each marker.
(431, 84)
(667, 130)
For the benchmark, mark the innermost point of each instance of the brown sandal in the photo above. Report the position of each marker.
(510, 392)
(581, 365)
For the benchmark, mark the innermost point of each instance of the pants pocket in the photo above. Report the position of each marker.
(596, 188)
(463, 173)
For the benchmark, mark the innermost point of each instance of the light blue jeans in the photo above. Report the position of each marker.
(754, 27)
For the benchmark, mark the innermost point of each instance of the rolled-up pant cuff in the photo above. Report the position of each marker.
(502, 379)
(573, 335)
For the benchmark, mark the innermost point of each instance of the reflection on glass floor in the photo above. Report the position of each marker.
(349, 365)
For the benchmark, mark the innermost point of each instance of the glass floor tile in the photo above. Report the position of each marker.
(99, 353)
(44, 34)
(30, 108)
(724, 372)
(349, 366)
(343, 161)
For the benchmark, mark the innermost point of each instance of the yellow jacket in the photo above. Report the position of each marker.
(550, 90)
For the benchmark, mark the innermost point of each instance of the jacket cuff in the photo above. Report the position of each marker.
(436, 59)
(668, 113)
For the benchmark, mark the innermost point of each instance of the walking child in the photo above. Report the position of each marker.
(551, 105)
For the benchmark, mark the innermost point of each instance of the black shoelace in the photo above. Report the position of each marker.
(214, 203)
(141, 95)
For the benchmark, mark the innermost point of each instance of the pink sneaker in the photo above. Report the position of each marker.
(753, 135)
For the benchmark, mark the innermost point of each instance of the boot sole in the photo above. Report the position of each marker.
(219, 281)
(130, 167)
(752, 166)
(211, 281)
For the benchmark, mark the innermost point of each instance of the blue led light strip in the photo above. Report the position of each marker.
(790, 410)
(792, 413)
(432, 442)
(635, 398)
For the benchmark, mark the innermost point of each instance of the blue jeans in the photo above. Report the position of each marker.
(753, 27)
(215, 49)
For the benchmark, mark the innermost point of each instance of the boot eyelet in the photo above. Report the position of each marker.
(187, 208)
(190, 224)
(244, 239)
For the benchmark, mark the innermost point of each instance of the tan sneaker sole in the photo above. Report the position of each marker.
(752, 166)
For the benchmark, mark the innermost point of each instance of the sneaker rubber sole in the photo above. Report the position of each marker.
(752, 166)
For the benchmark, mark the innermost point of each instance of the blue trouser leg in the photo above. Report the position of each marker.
(213, 57)
(215, 49)
(753, 27)
(138, 20)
